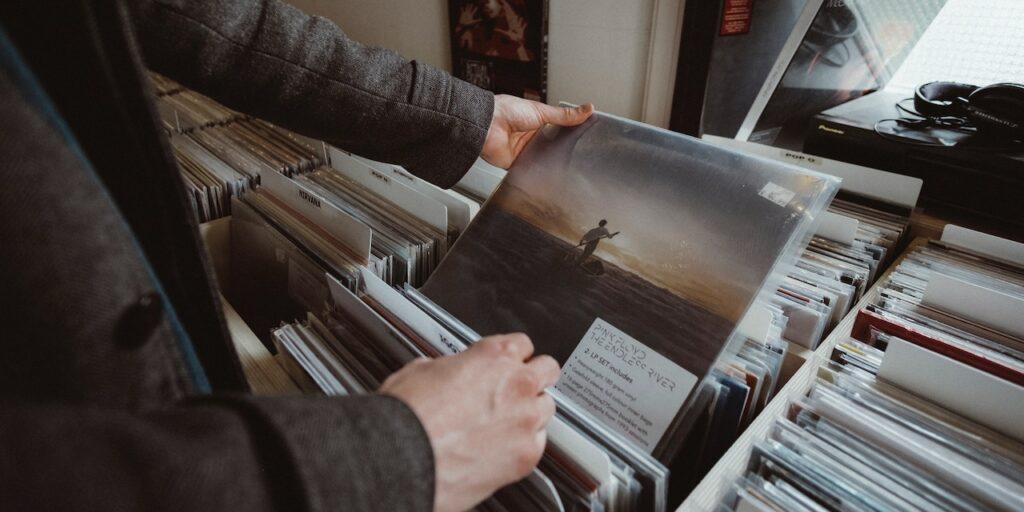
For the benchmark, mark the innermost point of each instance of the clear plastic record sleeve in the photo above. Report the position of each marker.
(630, 254)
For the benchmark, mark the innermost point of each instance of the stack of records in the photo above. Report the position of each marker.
(336, 255)
(358, 339)
(409, 247)
(855, 240)
(814, 294)
(837, 267)
(741, 386)
(857, 443)
(334, 356)
(282, 246)
(254, 146)
(209, 181)
(287, 233)
(223, 161)
(952, 306)
(183, 110)
(221, 152)
(163, 85)
(920, 410)
(394, 180)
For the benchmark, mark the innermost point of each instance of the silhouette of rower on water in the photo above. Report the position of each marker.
(591, 239)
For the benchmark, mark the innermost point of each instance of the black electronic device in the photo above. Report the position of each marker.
(962, 169)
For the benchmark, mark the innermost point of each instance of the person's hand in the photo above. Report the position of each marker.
(467, 16)
(516, 28)
(516, 121)
(485, 412)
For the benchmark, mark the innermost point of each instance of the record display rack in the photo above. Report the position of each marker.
(733, 463)
(267, 377)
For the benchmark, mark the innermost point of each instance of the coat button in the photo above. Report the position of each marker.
(139, 321)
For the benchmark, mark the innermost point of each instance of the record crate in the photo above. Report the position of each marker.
(267, 377)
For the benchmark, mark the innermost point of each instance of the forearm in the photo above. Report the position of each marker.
(273, 61)
(243, 453)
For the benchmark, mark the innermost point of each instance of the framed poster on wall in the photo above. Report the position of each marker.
(501, 45)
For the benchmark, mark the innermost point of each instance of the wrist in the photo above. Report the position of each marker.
(496, 137)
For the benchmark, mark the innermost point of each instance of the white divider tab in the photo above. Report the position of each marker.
(984, 243)
(485, 166)
(342, 226)
(409, 313)
(984, 305)
(387, 336)
(479, 182)
(857, 179)
(404, 176)
(981, 396)
(838, 227)
(460, 210)
(319, 145)
(757, 323)
(415, 203)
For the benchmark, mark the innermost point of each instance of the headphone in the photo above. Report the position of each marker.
(996, 109)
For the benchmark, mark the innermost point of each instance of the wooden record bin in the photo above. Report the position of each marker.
(733, 463)
(267, 377)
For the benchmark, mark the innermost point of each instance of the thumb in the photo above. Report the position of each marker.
(565, 116)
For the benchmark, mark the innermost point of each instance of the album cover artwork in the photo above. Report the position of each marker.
(632, 238)
(501, 45)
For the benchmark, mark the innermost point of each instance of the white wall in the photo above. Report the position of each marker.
(598, 50)
(417, 29)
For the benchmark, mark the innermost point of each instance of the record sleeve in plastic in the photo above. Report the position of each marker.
(638, 239)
